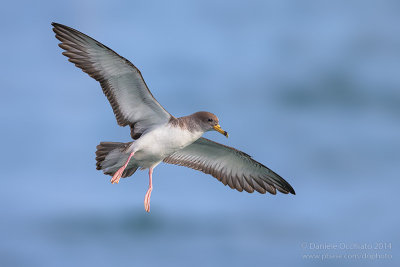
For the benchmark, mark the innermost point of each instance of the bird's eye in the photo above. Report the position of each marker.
(210, 120)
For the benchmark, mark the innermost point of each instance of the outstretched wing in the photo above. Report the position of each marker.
(232, 167)
(122, 83)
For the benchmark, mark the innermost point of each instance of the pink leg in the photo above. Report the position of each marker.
(148, 194)
(117, 175)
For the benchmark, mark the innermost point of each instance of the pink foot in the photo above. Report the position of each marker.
(148, 194)
(117, 175)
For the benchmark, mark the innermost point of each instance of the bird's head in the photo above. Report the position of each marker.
(209, 122)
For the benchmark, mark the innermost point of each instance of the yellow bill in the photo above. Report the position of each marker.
(219, 129)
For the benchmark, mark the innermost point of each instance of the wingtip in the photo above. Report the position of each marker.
(287, 189)
(58, 25)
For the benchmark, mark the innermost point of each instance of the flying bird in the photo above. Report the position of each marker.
(159, 136)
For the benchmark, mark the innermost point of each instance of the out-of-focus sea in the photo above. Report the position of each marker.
(309, 88)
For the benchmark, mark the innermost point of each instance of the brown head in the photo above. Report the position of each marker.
(208, 122)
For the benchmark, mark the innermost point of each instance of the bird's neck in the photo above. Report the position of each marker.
(187, 123)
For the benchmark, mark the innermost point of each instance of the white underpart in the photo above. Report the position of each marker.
(152, 147)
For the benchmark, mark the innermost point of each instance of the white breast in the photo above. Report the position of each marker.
(152, 147)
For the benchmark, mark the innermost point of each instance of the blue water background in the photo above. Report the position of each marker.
(309, 88)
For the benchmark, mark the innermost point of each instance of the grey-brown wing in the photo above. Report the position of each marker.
(122, 83)
(231, 166)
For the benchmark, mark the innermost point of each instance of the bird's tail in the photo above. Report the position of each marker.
(111, 156)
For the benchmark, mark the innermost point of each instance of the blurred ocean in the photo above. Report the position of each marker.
(309, 88)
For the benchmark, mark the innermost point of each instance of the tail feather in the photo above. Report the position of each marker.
(104, 148)
(111, 156)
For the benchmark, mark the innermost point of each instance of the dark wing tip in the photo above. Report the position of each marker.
(289, 188)
(58, 25)
(278, 182)
(285, 187)
(292, 191)
(287, 191)
(55, 25)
